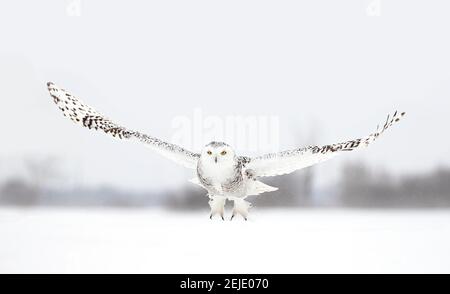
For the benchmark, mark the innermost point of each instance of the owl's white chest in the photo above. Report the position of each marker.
(215, 175)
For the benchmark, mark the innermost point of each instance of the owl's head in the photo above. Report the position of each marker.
(218, 153)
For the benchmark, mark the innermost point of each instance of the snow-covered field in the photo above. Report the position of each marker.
(272, 241)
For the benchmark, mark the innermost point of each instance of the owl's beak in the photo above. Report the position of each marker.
(215, 159)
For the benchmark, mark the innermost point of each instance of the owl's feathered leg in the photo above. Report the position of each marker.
(217, 205)
(241, 207)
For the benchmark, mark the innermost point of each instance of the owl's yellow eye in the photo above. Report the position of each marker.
(209, 152)
(223, 152)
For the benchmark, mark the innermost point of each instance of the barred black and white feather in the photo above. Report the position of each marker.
(285, 162)
(86, 116)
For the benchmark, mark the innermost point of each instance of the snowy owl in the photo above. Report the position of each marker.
(218, 169)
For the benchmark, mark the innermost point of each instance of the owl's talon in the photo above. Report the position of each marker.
(241, 207)
(217, 204)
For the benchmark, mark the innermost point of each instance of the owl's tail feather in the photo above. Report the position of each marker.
(257, 187)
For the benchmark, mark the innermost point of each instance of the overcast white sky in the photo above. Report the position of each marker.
(328, 66)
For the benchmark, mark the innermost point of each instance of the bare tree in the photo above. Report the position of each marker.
(42, 171)
(22, 191)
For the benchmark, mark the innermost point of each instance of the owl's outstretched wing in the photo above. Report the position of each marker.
(86, 116)
(285, 162)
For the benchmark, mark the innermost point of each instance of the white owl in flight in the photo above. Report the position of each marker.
(219, 170)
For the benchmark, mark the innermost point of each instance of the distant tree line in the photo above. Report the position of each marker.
(361, 187)
(358, 186)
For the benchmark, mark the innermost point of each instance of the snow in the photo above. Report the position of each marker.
(272, 241)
